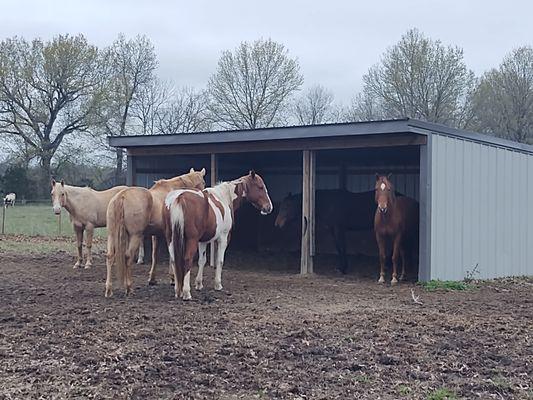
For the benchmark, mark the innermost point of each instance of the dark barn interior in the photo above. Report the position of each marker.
(256, 238)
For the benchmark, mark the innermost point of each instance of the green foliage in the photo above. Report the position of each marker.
(442, 394)
(404, 390)
(16, 180)
(433, 285)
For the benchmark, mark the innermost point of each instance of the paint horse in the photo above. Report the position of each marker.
(395, 226)
(133, 213)
(87, 210)
(337, 211)
(197, 217)
(9, 200)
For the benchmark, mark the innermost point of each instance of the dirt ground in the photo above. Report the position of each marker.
(270, 334)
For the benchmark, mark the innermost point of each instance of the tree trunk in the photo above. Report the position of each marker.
(46, 174)
(118, 170)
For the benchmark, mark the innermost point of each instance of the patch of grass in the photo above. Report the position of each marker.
(362, 378)
(39, 220)
(404, 390)
(442, 394)
(431, 286)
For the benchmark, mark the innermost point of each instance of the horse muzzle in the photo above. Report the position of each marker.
(57, 210)
(383, 210)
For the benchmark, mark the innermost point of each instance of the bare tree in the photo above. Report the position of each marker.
(131, 66)
(186, 112)
(363, 107)
(48, 90)
(150, 104)
(252, 85)
(420, 78)
(314, 106)
(503, 101)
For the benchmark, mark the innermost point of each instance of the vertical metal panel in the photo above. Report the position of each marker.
(476, 215)
(424, 264)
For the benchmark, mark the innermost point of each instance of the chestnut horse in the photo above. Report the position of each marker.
(195, 218)
(396, 226)
(87, 210)
(134, 212)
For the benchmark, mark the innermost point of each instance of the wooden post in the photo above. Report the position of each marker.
(59, 223)
(214, 178)
(3, 218)
(308, 212)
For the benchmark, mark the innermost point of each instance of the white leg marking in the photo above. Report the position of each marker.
(221, 249)
(140, 259)
(202, 258)
(187, 286)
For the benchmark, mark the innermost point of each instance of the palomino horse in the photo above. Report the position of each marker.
(195, 218)
(87, 209)
(338, 211)
(134, 212)
(396, 226)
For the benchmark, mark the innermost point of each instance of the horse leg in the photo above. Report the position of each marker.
(140, 258)
(131, 251)
(78, 229)
(151, 279)
(395, 260)
(382, 258)
(110, 260)
(219, 261)
(202, 259)
(191, 247)
(89, 244)
(341, 243)
(403, 256)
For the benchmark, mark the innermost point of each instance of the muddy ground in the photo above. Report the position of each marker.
(269, 334)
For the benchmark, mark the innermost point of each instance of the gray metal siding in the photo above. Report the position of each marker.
(478, 216)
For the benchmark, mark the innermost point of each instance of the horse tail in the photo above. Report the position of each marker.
(177, 222)
(117, 233)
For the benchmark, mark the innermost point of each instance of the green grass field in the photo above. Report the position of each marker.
(39, 220)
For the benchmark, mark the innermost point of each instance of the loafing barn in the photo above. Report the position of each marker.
(473, 189)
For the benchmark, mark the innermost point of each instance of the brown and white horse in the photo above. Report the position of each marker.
(135, 212)
(87, 210)
(195, 218)
(396, 226)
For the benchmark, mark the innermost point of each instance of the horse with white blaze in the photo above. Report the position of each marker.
(195, 218)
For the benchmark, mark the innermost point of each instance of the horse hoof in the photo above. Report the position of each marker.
(394, 281)
(187, 296)
(402, 277)
(140, 261)
(218, 286)
(152, 282)
(381, 280)
(77, 265)
(108, 293)
(199, 286)
(88, 266)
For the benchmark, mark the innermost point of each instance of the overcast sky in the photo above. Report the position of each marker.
(335, 41)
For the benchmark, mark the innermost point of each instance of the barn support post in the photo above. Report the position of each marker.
(308, 213)
(214, 177)
(130, 171)
(424, 251)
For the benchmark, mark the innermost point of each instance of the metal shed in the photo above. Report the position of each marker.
(473, 189)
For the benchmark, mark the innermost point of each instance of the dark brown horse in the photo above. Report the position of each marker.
(338, 211)
(395, 226)
(193, 218)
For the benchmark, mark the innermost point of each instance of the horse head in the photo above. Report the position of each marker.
(384, 192)
(288, 211)
(59, 196)
(256, 193)
(195, 179)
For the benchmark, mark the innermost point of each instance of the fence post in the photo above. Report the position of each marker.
(59, 223)
(3, 218)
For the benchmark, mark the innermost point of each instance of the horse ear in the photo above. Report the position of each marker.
(203, 171)
(377, 176)
(389, 175)
(252, 173)
(62, 182)
(191, 170)
(53, 182)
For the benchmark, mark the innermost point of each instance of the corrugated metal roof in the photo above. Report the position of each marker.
(404, 125)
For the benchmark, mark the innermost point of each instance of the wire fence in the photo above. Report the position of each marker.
(36, 218)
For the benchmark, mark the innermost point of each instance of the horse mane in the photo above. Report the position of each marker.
(186, 180)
